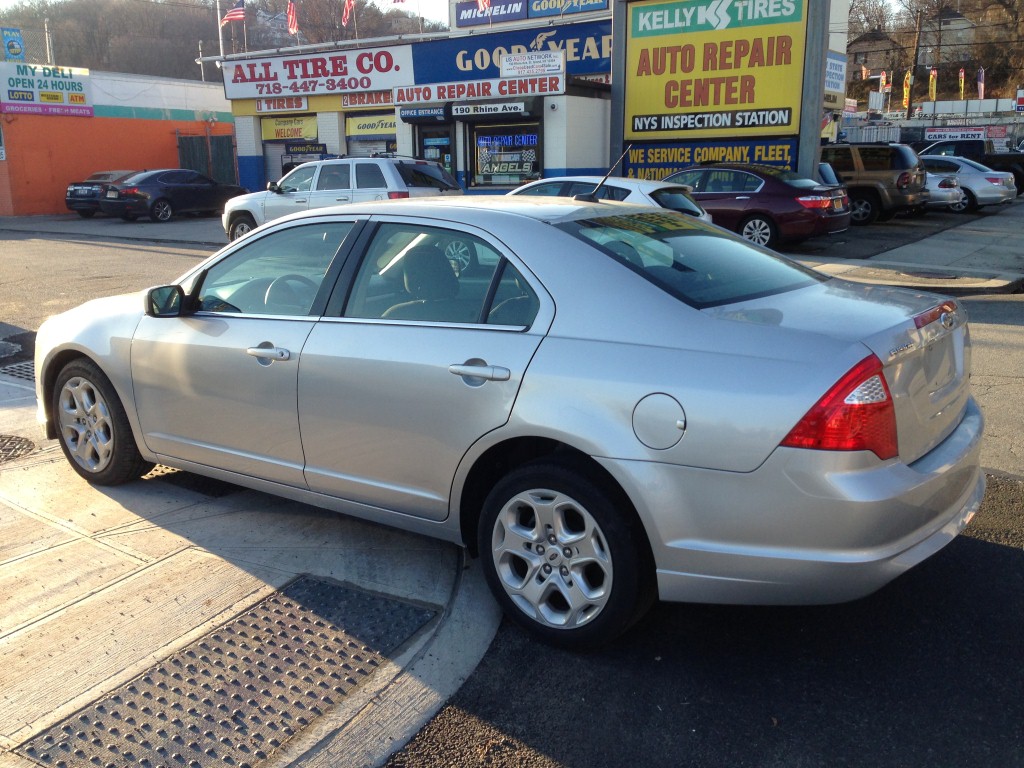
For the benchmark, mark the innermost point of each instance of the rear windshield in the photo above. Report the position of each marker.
(676, 200)
(426, 175)
(690, 260)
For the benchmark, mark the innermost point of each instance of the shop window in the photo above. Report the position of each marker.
(506, 155)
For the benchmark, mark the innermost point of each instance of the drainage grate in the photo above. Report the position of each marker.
(25, 370)
(237, 695)
(13, 447)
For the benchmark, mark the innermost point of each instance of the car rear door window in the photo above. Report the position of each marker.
(369, 176)
(334, 176)
(407, 275)
(429, 175)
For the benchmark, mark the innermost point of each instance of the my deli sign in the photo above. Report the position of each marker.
(371, 69)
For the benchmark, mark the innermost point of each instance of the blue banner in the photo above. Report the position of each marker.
(14, 47)
(470, 15)
(587, 46)
(656, 161)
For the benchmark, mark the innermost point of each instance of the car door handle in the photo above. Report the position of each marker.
(303, 200)
(269, 353)
(487, 372)
(342, 199)
(743, 197)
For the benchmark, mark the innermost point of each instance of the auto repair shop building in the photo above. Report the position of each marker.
(441, 97)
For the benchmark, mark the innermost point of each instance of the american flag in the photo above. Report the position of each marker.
(237, 13)
(483, 5)
(293, 19)
(347, 11)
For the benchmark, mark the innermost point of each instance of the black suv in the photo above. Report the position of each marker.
(882, 179)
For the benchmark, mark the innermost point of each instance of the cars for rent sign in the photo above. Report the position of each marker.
(714, 68)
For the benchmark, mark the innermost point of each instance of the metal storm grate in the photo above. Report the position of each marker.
(237, 695)
(13, 447)
(25, 370)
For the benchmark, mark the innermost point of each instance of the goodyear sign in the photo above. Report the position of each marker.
(38, 89)
(714, 68)
(371, 127)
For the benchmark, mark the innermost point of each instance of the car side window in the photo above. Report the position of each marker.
(299, 180)
(334, 176)
(369, 176)
(722, 181)
(425, 274)
(692, 179)
(279, 274)
(553, 189)
(876, 158)
(841, 159)
(748, 182)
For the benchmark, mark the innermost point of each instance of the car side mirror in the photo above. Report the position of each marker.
(165, 301)
(272, 187)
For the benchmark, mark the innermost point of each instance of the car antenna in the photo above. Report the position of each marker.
(591, 196)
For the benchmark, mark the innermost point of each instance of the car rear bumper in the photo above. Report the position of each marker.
(807, 527)
(81, 204)
(995, 195)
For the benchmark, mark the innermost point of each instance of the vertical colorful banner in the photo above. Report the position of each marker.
(881, 82)
(933, 83)
(14, 46)
(961, 83)
(981, 82)
(906, 90)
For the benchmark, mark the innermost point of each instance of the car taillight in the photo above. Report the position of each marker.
(948, 184)
(948, 308)
(904, 180)
(125, 191)
(856, 414)
(993, 180)
(397, 195)
(815, 201)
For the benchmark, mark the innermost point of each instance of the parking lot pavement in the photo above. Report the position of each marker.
(286, 632)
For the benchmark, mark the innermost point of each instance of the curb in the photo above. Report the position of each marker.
(951, 281)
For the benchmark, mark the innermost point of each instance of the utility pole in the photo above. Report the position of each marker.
(913, 67)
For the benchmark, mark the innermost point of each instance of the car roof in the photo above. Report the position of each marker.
(644, 184)
(545, 209)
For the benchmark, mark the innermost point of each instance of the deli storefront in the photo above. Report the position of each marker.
(444, 100)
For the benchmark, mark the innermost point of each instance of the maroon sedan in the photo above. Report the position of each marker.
(767, 205)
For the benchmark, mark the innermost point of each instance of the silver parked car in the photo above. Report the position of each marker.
(980, 184)
(611, 404)
(943, 192)
(674, 196)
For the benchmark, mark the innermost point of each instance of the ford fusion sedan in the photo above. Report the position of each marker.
(612, 404)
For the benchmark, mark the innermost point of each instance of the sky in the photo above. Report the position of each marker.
(434, 10)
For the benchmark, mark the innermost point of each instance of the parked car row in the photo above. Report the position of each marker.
(159, 194)
(863, 183)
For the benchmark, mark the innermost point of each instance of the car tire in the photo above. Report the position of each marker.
(760, 230)
(461, 254)
(864, 207)
(161, 210)
(93, 428)
(565, 555)
(968, 203)
(242, 224)
(86, 214)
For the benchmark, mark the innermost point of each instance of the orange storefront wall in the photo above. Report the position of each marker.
(46, 152)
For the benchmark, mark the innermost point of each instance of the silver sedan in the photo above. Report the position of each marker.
(609, 403)
(980, 184)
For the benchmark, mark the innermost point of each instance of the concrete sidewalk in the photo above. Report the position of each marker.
(104, 591)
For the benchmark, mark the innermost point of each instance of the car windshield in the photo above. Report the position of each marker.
(690, 260)
(426, 175)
